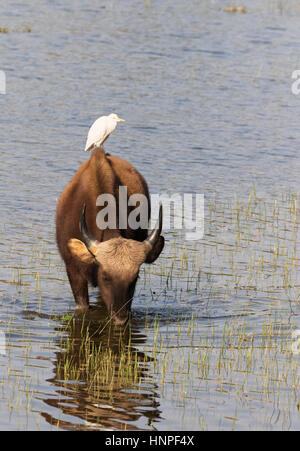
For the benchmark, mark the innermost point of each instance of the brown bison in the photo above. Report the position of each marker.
(107, 258)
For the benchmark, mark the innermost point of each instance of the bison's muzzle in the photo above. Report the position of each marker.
(118, 261)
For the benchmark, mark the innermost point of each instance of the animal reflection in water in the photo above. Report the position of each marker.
(101, 379)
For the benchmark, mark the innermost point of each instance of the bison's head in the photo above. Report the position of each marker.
(119, 261)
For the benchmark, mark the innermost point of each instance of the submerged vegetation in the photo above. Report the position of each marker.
(22, 29)
(198, 337)
(214, 338)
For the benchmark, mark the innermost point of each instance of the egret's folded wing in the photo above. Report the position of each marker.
(91, 139)
(88, 147)
(96, 133)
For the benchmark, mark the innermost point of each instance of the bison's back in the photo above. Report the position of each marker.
(129, 176)
(101, 174)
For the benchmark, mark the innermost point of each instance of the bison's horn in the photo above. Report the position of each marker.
(155, 234)
(87, 237)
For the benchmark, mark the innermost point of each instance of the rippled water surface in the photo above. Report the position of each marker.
(208, 105)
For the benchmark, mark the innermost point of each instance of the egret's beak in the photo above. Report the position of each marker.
(120, 120)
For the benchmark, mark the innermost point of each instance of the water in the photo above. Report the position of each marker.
(208, 106)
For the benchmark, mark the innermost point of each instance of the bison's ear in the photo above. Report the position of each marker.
(79, 250)
(156, 250)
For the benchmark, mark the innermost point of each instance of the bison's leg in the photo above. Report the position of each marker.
(79, 287)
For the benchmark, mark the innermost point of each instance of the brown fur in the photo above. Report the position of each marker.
(100, 174)
(121, 251)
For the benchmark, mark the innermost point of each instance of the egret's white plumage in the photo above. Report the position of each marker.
(100, 130)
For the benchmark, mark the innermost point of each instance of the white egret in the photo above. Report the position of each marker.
(100, 130)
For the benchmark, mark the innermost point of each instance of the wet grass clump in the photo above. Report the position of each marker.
(212, 343)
